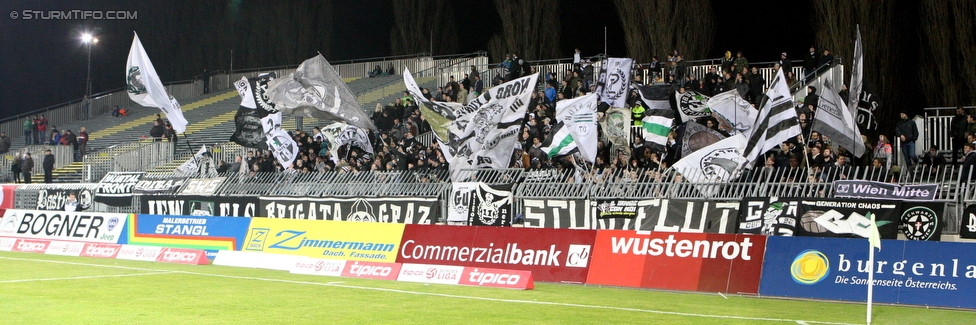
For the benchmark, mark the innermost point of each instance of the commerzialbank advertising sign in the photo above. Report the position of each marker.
(905, 272)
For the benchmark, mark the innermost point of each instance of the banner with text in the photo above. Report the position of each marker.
(885, 191)
(358, 241)
(64, 199)
(818, 217)
(115, 189)
(412, 210)
(191, 205)
(158, 185)
(552, 255)
(201, 186)
(77, 226)
(906, 272)
(650, 215)
(199, 232)
(677, 261)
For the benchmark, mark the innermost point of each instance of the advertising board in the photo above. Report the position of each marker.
(552, 255)
(207, 233)
(357, 241)
(905, 272)
(100, 227)
(677, 261)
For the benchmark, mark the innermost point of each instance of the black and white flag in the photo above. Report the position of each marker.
(692, 105)
(734, 111)
(315, 90)
(250, 128)
(834, 120)
(354, 136)
(482, 133)
(146, 89)
(777, 121)
(613, 86)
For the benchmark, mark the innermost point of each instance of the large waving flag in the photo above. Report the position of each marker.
(482, 133)
(777, 121)
(834, 120)
(144, 87)
(710, 166)
(250, 129)
(736, 111)
(658, 115)
(315, 90)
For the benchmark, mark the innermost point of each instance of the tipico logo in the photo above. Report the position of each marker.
(809, 267)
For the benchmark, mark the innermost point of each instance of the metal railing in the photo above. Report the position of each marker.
(100, 103)
(135, 156)
(938, 127)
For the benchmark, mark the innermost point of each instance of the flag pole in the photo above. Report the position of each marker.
(870, 278)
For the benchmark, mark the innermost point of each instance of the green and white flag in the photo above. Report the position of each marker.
(144, 87)
(560, 141)
(577, 118)
(658, 115)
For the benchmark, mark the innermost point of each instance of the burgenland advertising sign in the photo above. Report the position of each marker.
(905, 272)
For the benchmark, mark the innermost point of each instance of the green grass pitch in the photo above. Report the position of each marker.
(46, 289)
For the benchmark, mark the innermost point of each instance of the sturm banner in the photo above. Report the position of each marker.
(412, 210)
(115, 189)
(159, 185)
(201, 186)
(967, 228)
(190, 205)
(818, 217)
(922, 220)
(645, 215)
(921, 273)
(79, 199)
(492, 205)
(885, 191)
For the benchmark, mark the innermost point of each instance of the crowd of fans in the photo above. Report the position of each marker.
(810, 157)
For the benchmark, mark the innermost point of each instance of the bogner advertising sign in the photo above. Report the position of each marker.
(74, 226)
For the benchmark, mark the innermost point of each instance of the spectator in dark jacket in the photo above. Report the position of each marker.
(157, 131)
(4, 143)
(908, 133)
(810, 63)
(957, 132)
(970, 161)
(48, 166)
(784, 63)
(27, 167)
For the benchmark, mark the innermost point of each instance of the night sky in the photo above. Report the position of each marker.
(44, 62)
